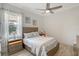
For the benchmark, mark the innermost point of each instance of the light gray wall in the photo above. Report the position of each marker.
(64, 26)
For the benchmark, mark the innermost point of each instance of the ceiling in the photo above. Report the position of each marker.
(32, 7)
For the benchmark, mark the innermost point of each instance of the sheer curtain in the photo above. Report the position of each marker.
(14, 18)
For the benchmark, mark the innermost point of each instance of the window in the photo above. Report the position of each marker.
(14, 25)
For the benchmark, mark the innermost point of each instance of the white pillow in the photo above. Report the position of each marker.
(35, 34)
(27, 35)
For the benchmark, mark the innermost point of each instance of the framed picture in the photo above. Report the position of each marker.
(27, 20)
(34, 22)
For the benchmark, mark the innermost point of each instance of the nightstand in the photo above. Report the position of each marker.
(15, 46)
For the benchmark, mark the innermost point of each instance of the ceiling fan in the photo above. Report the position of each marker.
(48, 9)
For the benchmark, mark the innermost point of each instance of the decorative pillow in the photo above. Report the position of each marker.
(35, 34)
(31, 34)
(28, 35)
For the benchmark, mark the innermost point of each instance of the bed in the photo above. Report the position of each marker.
(39, 45)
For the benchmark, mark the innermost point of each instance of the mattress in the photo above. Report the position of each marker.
(48, 42)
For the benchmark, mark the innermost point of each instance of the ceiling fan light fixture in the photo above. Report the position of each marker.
(47, 11)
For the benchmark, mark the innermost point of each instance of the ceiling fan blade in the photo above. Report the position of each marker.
(56, 7)
(51, 11)
(47, 5)
(42, 9)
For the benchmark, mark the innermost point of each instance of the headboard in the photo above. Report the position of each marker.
(30, 29)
